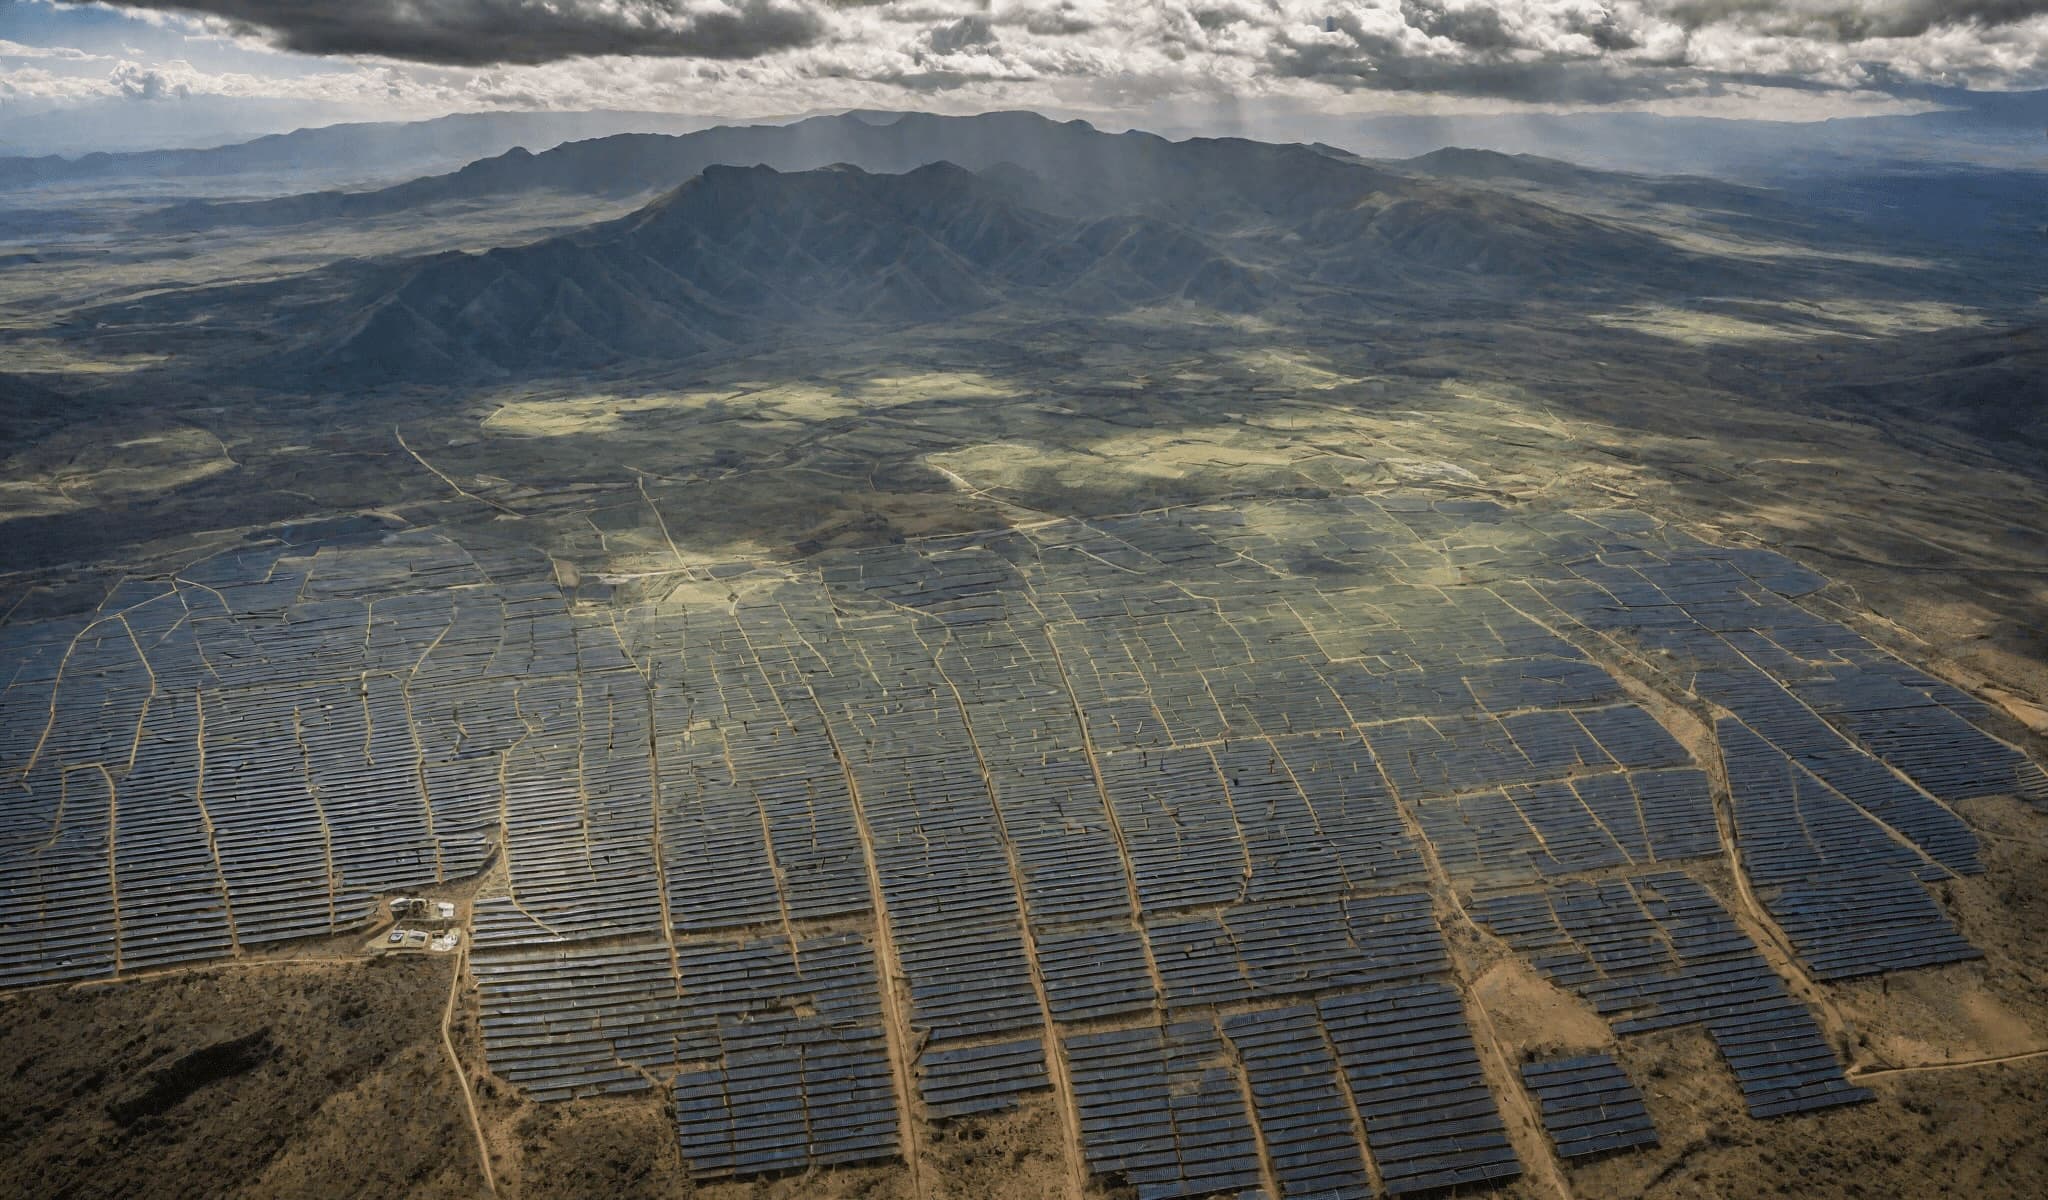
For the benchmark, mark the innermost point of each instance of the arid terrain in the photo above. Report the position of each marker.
(936, 659)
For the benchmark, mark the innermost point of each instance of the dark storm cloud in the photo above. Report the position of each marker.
(1585, 52)
(1544, 81)
(1215, 17)
(1057, 20)
(1604, 31)
(963, 34)
(1475, 28)
(1847, 21)
(1365, 57)
(491, 32)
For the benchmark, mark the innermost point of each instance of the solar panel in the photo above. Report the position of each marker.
(1303, 1113)
(1051, 782)
(1589, 1105)
(972, 1080)
(1430, 1120)
(1161, 1109)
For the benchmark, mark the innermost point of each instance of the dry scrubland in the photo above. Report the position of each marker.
(253, 1080)
(1817, 425)
(625, 483)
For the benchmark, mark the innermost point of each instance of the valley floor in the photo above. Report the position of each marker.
(1028, 755)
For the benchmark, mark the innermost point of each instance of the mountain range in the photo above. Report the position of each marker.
(739, 250)
(1076, 168)
(1080, 170)
(933, 217)
(738, 253)
(361, 149)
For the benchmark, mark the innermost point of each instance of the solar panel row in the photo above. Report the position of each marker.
(1589, 1105)
(1124, 770)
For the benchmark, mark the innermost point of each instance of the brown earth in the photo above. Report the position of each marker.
(322, 1079)
(625, 1149)
(1970, 1133)
(1535, 1016)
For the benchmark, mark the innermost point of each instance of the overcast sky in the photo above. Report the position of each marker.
(352, 59)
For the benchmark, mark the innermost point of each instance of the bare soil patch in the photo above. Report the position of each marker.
(324, 1079)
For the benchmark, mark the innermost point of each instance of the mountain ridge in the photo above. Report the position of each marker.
(736, 251)
(1098, 221)
(1100, 169)
(369, 145)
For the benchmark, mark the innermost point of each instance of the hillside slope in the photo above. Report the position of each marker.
(740, 250)
(1082, 168)
(1059, 214)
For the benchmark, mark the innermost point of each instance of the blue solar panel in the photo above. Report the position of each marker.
(1589, 1105)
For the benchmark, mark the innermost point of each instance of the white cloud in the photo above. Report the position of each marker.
(763, 57)
(137, 82)
(66, 53)
(40, 85)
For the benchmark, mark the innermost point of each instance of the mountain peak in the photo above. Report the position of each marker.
(738, 250)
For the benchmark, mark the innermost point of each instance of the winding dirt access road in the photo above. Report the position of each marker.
(1959, 1064)
(476, 1125)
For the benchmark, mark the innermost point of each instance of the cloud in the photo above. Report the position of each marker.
(1475, 26)
(760, 57)
(495, 32)
(969, 32)
(1850, 20)
(66, 53)
(137, 82)
(36, 86)
(1060, 18)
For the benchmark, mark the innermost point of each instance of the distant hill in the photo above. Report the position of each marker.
(1993, 211)
(1986, 129)
(384, 147)
(1541, 174)
(28, 408)
(1083, 167)
(1459, 162)
(738, 251)
(1988, 382)
(1039, 211)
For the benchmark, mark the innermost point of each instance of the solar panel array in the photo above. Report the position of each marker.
(969, 1080)
(1408, 1056)
(247, 753)
(1129, 808)
(1843, 887)
(819, 1098)
(1658, 952)
(1160, 1109)
(1845, 763)
(1301, 1102)
(1782, 1062)
(1648, 953)
(1590, 1106)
